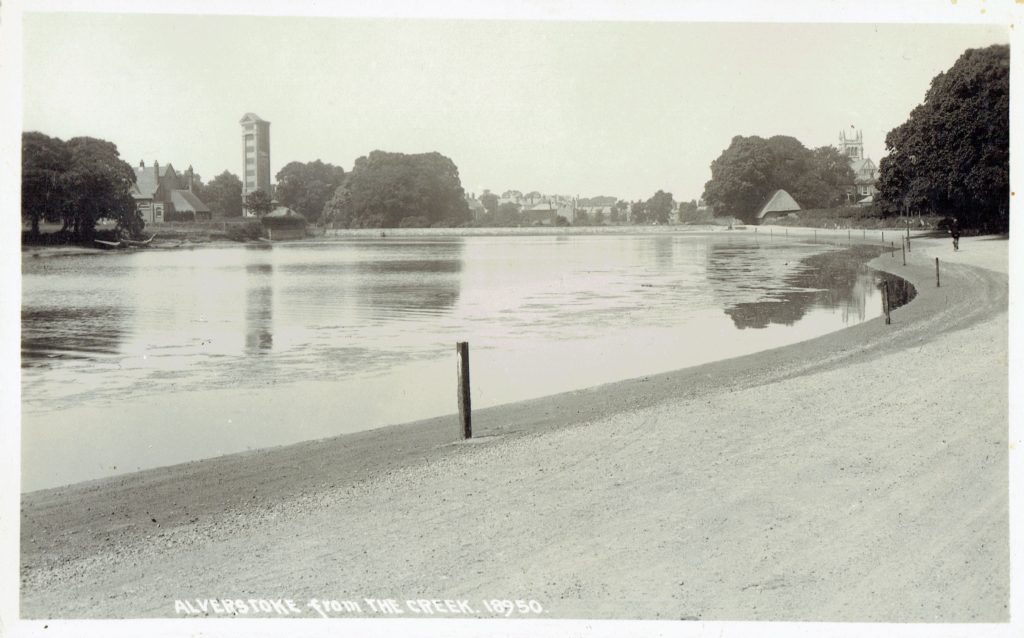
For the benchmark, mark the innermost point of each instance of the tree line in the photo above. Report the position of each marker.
(951, 156)
(76, 183)
(752, 168)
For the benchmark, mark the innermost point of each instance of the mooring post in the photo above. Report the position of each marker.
(465, 413)
(937, 283)
(904, 246)
(885, 301)
(892, 250)
(864, 233)
(908, 235)
(848, 238)
(815, 235)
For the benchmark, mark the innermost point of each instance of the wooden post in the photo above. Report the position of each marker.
(883, 237)
(904, 246)
(892, 250)
(815, 234)
(908, 235)
(848, 238)
(465, 414)
(937, 283)
(885, 302)
(864, 233)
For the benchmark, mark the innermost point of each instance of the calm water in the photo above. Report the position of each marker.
(140, 359)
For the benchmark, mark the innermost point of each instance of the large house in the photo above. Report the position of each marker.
(865, 171)
(159, 197)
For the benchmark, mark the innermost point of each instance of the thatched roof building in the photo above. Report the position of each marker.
(778, 204)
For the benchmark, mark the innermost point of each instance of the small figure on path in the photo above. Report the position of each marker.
(954, 230)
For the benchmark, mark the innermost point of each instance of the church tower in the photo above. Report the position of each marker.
(852, 145)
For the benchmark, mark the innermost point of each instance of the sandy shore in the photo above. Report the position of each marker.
(859, 476)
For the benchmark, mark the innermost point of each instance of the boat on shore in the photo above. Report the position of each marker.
(124, 243)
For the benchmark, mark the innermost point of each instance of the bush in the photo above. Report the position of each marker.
(243, 232)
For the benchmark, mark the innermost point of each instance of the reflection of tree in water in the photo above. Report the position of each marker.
(259, 314)
(71, 332)
(407, 278)
(836, 280)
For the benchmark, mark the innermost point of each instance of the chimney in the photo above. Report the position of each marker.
(142, 163)
(190, 178)
(156, 166)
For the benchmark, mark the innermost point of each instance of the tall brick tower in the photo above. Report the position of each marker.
(255, 154)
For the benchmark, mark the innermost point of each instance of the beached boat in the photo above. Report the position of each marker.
(131, 242)
(108, 244)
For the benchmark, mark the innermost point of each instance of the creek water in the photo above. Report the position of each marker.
(146, 358)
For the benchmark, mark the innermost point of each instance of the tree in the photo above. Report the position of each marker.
(659, 207)
(508, 214)
(223, 195)
(305, 188)
(952, 154)
(45, 162)
(490, 202)
(99, 183)
(752, 168)
(385, 188)
(638, 212)
(258, 203)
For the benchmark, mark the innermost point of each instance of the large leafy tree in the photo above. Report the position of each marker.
(659, 207)
(306, 187)
(45, 162)
(385, 188)
(258, 203)
(952, 155)
(223, 195)
(99, 183)
(747, 172)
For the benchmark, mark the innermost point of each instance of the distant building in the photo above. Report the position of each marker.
(159, 197)
(779, 204)
(865, 171)
(255, 154)
(283, 223)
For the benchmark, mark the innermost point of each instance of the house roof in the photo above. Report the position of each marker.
(778, 202)
(184, 200)
(863, 164)
(283, 212)
(251, 117)
(147, 180)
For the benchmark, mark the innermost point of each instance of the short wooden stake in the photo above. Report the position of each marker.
(885, 302)
(937, 283)
(864, 233)
(904, 247)
(908, 235)
(848, 238)
(815, 234)
(465, 413)
(892, 250)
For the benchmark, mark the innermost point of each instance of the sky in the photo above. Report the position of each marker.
(566, 107)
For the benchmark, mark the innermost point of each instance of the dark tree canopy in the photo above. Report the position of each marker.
(223, 195)
(306, 187)
(91, 182)
(659, 207)
(385, 188)
(747, 172)
(952, 155)
(490, 202)
(258, 203)
(45, 162)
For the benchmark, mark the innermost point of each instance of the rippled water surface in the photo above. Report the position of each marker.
(145, 358)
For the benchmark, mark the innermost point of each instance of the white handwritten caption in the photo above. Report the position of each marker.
(333, 608)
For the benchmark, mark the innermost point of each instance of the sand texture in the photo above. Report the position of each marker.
(859, 476)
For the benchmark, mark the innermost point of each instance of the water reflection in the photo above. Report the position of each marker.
(259, 309)
(835, 280)
(78, 332)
